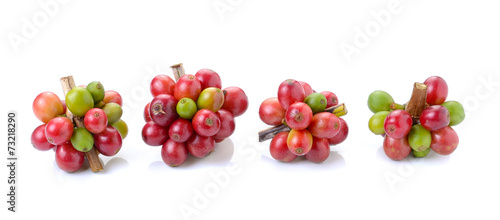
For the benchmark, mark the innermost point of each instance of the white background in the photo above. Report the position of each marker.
(256, 45)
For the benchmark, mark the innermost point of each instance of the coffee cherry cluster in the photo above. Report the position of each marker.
(191, 115)
(424, 123)
(103, 129)
(309, 122)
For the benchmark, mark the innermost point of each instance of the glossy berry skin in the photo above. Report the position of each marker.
(112, 96)
(379, 101)
(290, 91)
(162, 84)
(279, 148)
(206, 123)
(435, 117)
(79, 101)
(95, 120)
(174, 153)
(154, 134)
(316, 101)
(210, 98)
(376, 122)
(324, 125)
(420, 154)
(200, 146)
(162, 110)
(235, 101)
(271, 112)
(398, 124)
(307, 88)
(227, 124)
(147, 117)
(342, 135)
(298, 116)
(457, 113)
(320, 150)
(47, 106)
(208, 78)
(186, 108)
(217, 140)
(187, 87)
(68, 158)
(419, 138)
(331, 99)
(108, 142)
(299, 142)
(396, 149)
(59, 130)
(121, 127)
(444, 141)
(437, 90)
(113, 112)
(180, 130)
(82, 140)
(97, 91)
(38, 139)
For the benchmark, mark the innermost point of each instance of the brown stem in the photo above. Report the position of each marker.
(338, 110)
(95, 164)
(178, 70)
(271, 132)
(417, 101)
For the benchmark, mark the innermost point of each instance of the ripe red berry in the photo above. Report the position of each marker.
(180, 130)
(398, 124)
(206, 123)
(68, 158)
(279, 148)
(162, 84)
(235, 101)
(299, 142)
(39, 140)
(163, 110)
(271, 112)
(187, 87)
(174, 153)
(147, 117)
(59, 130)
(320, 150)
(307, 88)
(111, 96)
(290, 91)
(437, 90)
(435, 117)
(108, 142)
(342, 135)
(396, 149)
(325, 125)
(95, 120)
(444, 141)
(227, 124)
(200, 146)
(298, 116)
(331, 99)
(208, 78)
(154, 134)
